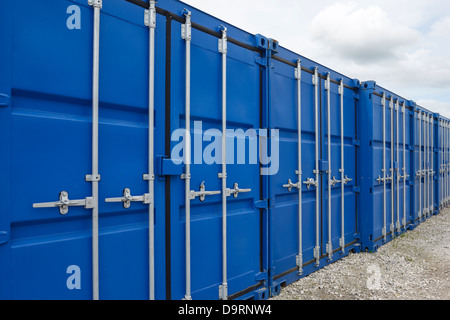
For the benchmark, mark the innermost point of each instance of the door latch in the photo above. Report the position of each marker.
(334, 182)
(310, 182)
(290, 185)
(236, 191)
(128, 198)
(347, 180)
(64, 203)
(202, 193)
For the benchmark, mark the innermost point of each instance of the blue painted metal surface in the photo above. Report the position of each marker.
(284, 218)
(45, 138)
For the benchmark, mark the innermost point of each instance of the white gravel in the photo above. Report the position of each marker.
(415, 266)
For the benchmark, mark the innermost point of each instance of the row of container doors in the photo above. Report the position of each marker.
(47, 252)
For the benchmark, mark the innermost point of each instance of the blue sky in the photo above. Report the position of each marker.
(403, 45)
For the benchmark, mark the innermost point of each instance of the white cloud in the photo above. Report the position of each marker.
(440, 107)
(356, 33)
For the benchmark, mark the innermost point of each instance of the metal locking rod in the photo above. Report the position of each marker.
(329, 248)
(427, 164)
(424, 166)
(384, 179)
(151, 146)
(404, 165)
(426, 171)
(397, 109)
(298, 78)
(446, 164)
(223, 49)
(186, 34)
(419, 174)
(431, 164)
(443, 163)
(391, 106)
(447, 154)
(344, 178)
(97, 5)
(441, 184)
(440, 161)
(316, 171)
(445, 151)
(128, 198)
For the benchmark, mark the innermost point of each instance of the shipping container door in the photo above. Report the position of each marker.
(204, 274)
(50, 249)
(294, 253)
(339, 180)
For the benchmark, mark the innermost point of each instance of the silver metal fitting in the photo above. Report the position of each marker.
(223, 42)
(150, 17)
(186, 29)
(298, 70)
(95, 3)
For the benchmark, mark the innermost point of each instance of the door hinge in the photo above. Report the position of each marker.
(356, 143)
(264, 204)
(261, 276)
(167, 167)
(261, 61)
(261, 204)
(357, 189)
(323, 165)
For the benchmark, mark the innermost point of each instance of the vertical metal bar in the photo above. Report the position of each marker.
(429, 163)
(446, 163)
(223, 49)
(444, 155)
(97, 5)
(151, 142)
(427, 124)
(424, 165)
(441, 176)
(404, 165)
(445, 129)
(397, 109)
(383, 103)
(420, 165)
(342, 240)
(444, 187)
(432, 164)
(316, 102)
(328, 88)
(444, 150)
(440, 162)
(186, 35)
(298, 77)
(392, 226)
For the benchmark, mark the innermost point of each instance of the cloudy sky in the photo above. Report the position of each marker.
(404, 44)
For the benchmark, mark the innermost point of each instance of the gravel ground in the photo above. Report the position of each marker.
(415, 266)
